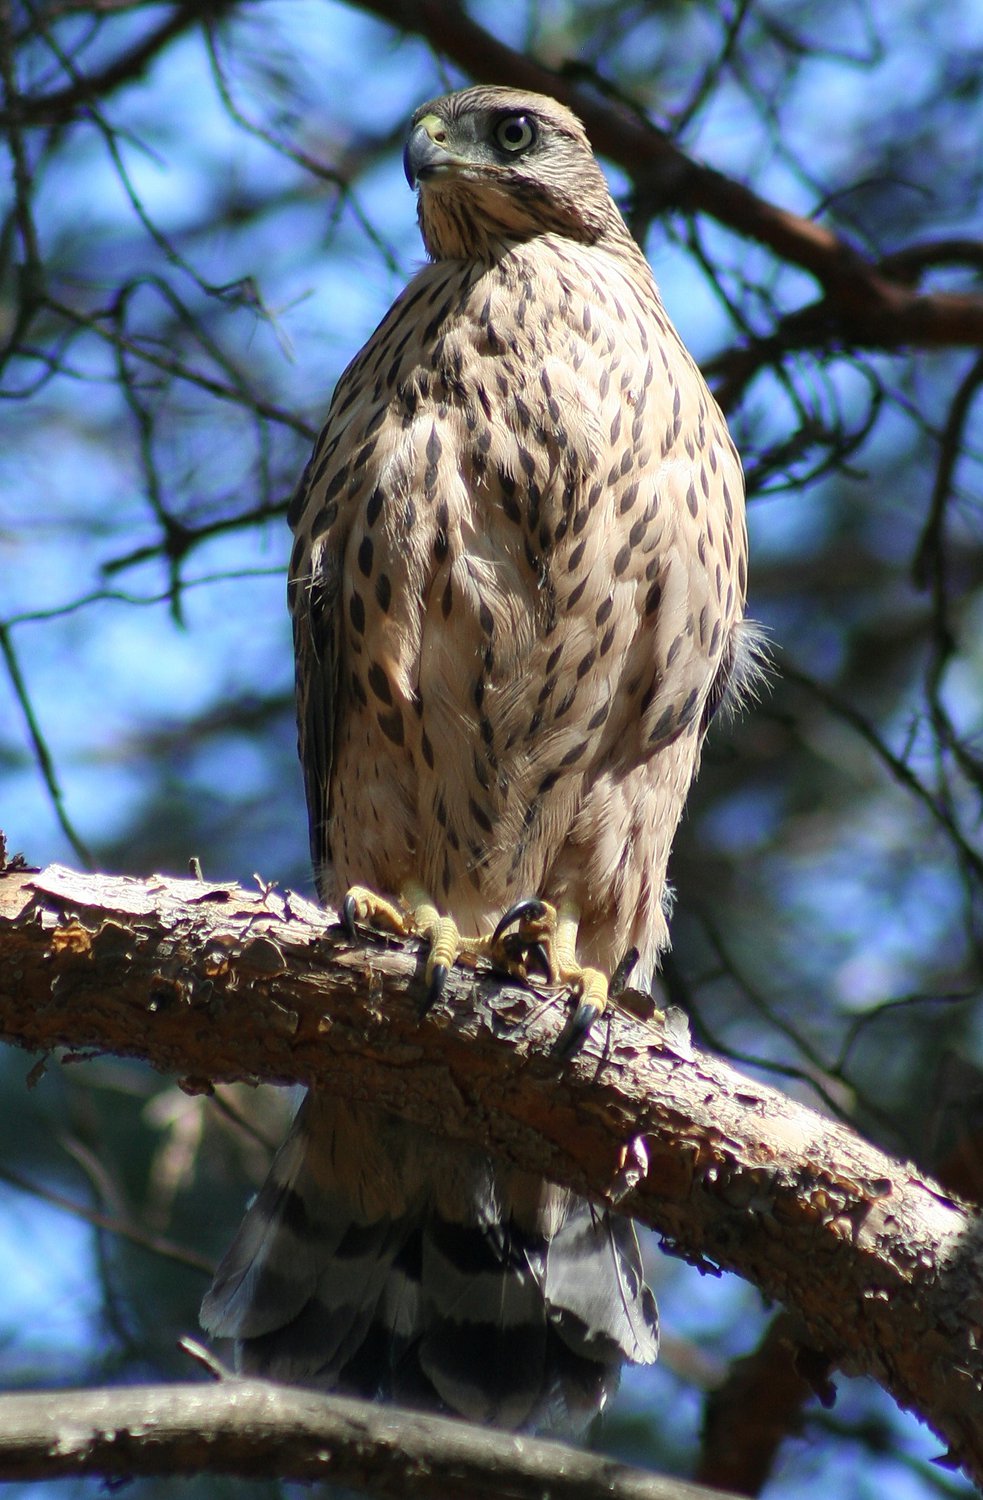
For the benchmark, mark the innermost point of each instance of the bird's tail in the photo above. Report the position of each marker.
(380, 1262)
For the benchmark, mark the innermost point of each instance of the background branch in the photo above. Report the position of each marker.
(863, 303)
(63, 105)
(255, 1429)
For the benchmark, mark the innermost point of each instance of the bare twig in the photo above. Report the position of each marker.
(63, 104)
(39, 745)
(156, 1243)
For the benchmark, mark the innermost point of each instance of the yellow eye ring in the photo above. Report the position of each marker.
(515, 133)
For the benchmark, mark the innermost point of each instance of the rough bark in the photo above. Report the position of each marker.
(213, 982)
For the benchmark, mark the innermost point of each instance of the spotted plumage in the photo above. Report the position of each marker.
(518, 591)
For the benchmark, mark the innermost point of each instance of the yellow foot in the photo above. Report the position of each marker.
(362, 905)
(416, 916)
(445, 942)
(545, 937)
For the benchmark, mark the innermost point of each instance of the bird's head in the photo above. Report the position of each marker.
(494, 165)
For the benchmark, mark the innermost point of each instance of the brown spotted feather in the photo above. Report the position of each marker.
(517, 592)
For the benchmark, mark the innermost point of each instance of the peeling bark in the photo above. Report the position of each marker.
(216, 983)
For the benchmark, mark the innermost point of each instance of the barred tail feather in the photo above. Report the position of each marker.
(382, 1263)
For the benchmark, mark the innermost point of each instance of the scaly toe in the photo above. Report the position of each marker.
(441, 936)
(445, 944)
(417, 917)
(372, 910)
(590, 988)
(545, 938)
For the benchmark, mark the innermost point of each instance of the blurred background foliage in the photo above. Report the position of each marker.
(204, 217)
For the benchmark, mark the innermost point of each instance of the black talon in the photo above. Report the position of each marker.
(531, 909)
(572, 1037)
(621, 975)
(524, 957)
(348, 910)
(437, 981)
(538, 960)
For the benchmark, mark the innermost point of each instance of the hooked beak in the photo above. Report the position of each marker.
(425, 155)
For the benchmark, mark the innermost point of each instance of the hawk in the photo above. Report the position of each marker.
(517, 590)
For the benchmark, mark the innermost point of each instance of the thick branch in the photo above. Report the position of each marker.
(864, 304)
(215, 983)
(255, 1429)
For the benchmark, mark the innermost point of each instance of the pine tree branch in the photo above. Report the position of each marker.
(216, 983)
(748, 1418)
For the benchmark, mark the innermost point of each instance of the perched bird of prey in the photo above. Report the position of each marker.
(517, 591)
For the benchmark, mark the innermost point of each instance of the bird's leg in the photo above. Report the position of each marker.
(545, 938)
(364, 905)
(439, 932)
(549, 933)
(416, 916)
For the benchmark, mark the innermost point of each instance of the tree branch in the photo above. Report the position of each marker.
(749, 1417)
(256, 1429)
(864, 304)
(62, 105)
(215, 983)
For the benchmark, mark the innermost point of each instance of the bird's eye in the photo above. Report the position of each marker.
(515, 133)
